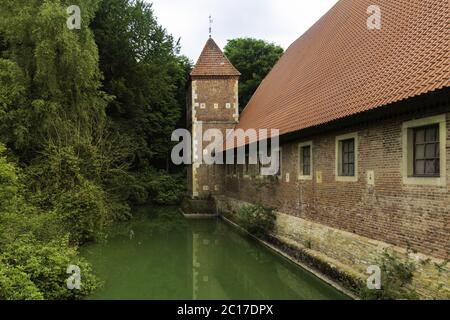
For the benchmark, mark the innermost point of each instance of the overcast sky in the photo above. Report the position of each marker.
(278, 21)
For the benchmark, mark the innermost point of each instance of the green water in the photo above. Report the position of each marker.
(162, 255)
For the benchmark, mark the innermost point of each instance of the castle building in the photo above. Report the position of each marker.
(364, 120)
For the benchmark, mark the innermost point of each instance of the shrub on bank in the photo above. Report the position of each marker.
(17, 285)
(162, 188)
(40, 270)
(256, 219)
(34, 252)
(396, 279)
(83, 212)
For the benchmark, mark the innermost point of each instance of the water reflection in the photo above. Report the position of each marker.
(169, 257)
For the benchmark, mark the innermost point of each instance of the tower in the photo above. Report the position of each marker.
(212, 104)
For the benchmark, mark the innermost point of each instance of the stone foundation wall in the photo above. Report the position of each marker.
(351, 254)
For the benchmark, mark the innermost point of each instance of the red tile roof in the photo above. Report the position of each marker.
(340, 68)
(212, 62)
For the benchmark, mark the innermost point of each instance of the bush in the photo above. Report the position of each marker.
(35, 253)
(124, 187)
(256, 219)
(163, 188)
(119, 211)
(16, 285)
(83, 212)
(39, 269)
(8, 182)
(396, 279)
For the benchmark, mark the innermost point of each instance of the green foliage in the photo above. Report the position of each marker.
(52, 112)
(254, 59)
(441, 266)
(12, 92)
(82, 122)
(81, 185)
(35, 253)
(396, 279)
(82, 211)
(142, 70)
(120, 211)
(53, 73)
(8, 182)
(162, 188)
(16, 284)
(256, 219)
(46, 264)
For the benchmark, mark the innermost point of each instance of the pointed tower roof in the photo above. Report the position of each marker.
(212, 62)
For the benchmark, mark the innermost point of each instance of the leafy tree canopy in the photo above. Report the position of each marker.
(83, 113)
(254, 59)
(144, 73)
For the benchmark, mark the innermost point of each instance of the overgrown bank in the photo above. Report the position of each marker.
(85, 117)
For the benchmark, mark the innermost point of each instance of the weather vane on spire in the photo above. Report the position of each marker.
(210, 25)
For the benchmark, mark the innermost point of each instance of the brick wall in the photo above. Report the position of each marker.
(408, 216)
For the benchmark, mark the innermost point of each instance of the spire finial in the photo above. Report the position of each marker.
(210, 25)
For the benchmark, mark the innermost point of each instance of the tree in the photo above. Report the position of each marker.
(69, 135)
(52, 110)
(35, 252)
(144, 73)
(254, 59)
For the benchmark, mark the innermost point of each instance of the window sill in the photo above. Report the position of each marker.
(305, 177)
(425, 181)
(347, 179)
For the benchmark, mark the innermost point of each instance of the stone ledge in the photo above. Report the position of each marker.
(312, 268)
(198, 207)
(338, 271)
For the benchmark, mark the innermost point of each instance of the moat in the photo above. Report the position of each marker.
(162, 255)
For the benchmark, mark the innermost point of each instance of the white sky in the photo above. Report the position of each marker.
(277, 21)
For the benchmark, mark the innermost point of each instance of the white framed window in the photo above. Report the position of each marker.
(305, 161)
(346, 165)
(424, 151)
